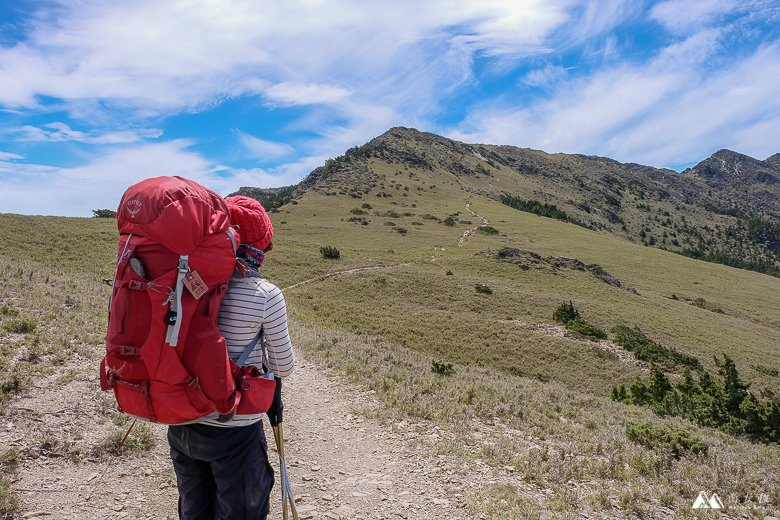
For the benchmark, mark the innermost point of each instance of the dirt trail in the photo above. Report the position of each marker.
(343, 464)
(346, 271)
(482, 222)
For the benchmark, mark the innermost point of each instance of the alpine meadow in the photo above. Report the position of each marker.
(589, 339)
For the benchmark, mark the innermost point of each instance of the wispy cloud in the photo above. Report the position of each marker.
(544, 76)
(684, 15)
(667, 112)
(48, 190)
(61, 132)
(303, 80)
(290, 93)
(8, 156)
(262, 149)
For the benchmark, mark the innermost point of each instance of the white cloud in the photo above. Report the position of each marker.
(544, 76)
(8, 156)
(671, 111)
(179, 54)
(61, 132)
(290, 93)
(683, 15)
(262, 149)
(46, 190)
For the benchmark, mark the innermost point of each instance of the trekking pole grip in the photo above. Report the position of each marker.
(275, 413)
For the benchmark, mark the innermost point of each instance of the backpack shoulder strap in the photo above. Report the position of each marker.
(241, 361)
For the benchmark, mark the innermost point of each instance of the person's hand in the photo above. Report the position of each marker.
(277, 407)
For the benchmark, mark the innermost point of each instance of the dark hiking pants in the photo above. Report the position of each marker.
(221, 473)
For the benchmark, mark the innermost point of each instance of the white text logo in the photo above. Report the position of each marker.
(133, 207)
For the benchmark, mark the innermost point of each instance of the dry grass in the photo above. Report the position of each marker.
(569, 449)
(519, 398)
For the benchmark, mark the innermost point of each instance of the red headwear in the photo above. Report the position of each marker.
(252, 220)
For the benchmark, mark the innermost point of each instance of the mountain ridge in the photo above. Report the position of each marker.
(724, 209)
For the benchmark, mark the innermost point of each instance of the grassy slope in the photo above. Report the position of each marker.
(420, 307)
(388, 324)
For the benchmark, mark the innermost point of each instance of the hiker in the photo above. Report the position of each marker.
(221, 464)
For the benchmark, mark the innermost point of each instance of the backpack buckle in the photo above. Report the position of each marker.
(129, 350)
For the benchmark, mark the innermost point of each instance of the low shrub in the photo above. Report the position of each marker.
(565, 312)
(442, 368)
(20, 326)
(678, 441)
(7, 310)
(389, 223)
(583, 328)
(645, 349)
(726, 404)
(483, 289)
(488, 230)
(767, 371)
(330, 253)
(11, 385)
(401, 230)
(449, 221)
(140, 440)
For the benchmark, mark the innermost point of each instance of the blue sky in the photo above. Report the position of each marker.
(96, 95)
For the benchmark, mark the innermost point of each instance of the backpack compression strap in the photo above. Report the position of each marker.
(172, 337)
(241, 361)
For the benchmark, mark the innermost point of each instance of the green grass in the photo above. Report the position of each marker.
(391, 324)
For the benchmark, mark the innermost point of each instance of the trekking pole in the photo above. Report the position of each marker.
(275, 417)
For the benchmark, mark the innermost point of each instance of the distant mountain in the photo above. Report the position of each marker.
(773, 160)
(725, 209)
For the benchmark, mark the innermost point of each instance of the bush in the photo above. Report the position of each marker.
(140, 440)
(449, 221)
(488, 230)
(428, 216)
(726, 404)
(482, 288)
(103, 213)
(358, 211)
(20, 326)
(10, 386)
(583, 328)
(401, 230)
(767, 371)
(330, 253)
(645, 349)
(565, 312)
(442, 368)
(678, 441)
(366, 205)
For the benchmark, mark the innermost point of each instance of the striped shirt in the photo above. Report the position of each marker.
(252, 303)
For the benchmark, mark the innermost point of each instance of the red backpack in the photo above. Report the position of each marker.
(166, 360)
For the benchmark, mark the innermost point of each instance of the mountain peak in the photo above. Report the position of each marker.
(730, 167)
(773, 160)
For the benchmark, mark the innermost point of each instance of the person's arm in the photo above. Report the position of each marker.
(276, 337)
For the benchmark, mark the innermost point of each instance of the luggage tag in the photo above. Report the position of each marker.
(195, 284)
